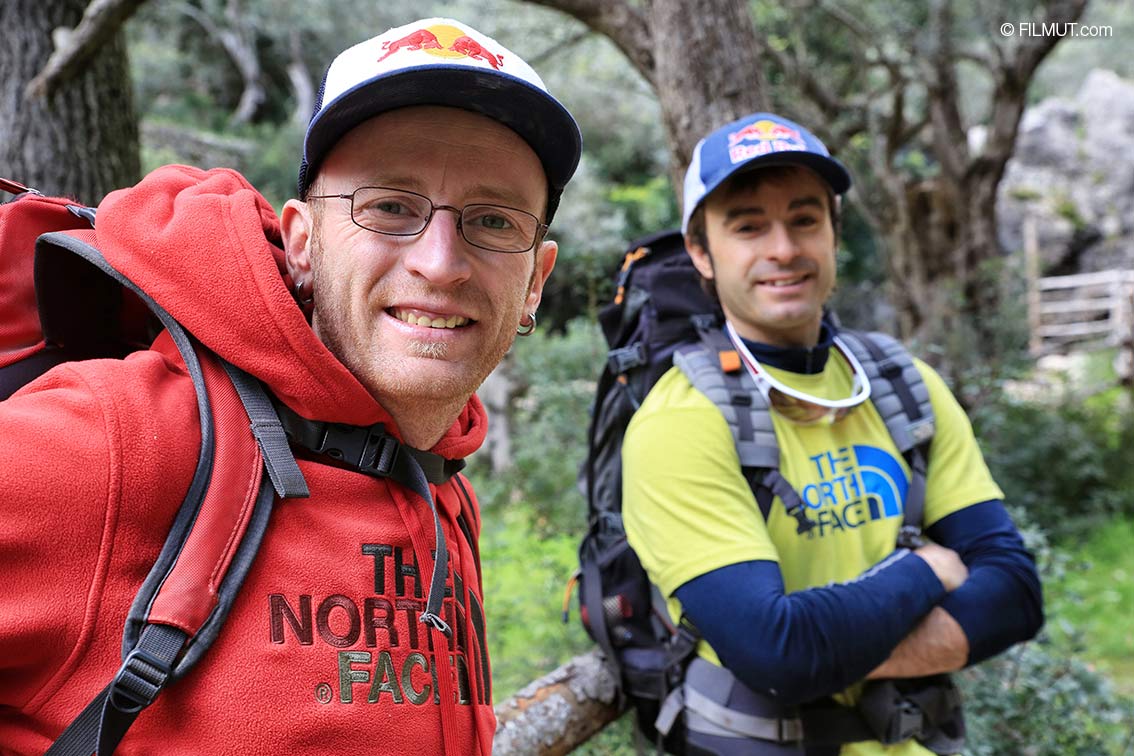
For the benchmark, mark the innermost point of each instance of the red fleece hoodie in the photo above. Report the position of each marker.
(323, 651)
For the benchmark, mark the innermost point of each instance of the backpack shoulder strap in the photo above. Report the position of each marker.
(902, 400)
(178, 612)
(739, 400)
(714, 369)
(897, 390)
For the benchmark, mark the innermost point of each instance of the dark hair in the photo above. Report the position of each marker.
(743, 182)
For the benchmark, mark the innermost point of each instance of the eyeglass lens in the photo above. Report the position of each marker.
(403, 213)
(804, 412)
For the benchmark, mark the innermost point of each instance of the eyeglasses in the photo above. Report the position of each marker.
(397, 212)
(796, 406)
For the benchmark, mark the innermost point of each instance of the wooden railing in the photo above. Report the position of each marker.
(1082, 312)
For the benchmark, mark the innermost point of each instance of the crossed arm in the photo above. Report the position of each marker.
(900, 619)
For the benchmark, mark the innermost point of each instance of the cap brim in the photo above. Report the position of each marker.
(829, 169)
(529, 111)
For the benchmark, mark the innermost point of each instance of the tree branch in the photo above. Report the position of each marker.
(1021, 63)
(559, 46)
(979, 58)
(625, 24)
(556, 713)
(74, 47)
(950, 140)
(239, 42)
(1011, 85)
(301, 83)
(827, 101)
(850, 21)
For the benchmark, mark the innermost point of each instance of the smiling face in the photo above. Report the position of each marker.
(770, 253)
(422, 319)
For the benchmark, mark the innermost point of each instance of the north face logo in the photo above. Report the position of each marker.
(379, 644)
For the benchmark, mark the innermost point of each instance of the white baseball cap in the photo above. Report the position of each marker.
(439, 61)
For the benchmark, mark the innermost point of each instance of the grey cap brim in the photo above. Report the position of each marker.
(828, 168)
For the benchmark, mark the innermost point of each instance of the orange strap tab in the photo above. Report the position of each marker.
(630, 259)
(730, 360)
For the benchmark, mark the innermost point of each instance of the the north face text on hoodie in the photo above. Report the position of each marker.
(377, 649)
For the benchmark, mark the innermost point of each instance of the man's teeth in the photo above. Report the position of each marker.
(785, 282)
(453, 321)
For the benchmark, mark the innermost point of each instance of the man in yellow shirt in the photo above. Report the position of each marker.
(791, 615)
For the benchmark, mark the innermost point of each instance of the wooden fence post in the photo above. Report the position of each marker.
(1031, 272)
(1124, 328)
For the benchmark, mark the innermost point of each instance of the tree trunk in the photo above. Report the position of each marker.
(707, 71)
(301, 84)
(702, 57)
(81, 141)
(940, 241)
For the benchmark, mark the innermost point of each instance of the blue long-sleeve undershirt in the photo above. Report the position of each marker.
(811, 643)
(1001, 602)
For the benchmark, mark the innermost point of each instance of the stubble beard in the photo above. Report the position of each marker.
(428, 350)
(378, 372)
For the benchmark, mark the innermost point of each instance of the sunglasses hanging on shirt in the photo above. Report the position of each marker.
(794, 405)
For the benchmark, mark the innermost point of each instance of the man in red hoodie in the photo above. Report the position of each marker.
(416, 250)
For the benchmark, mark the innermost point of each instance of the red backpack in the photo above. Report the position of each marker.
(59, 301)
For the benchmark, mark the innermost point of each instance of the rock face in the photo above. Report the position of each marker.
(1073, 171)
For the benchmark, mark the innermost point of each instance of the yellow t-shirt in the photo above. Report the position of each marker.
(688, 509)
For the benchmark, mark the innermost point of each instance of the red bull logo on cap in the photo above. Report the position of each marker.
(763, 137)
(443, 41)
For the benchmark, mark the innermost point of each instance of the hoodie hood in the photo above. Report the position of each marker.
(206, 246)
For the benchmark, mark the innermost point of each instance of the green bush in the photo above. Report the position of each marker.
(1067, 464)
(1043, 698)
(549, 425)
(1037, 701)
(533, 513)
(524, 581)
(1091, 601)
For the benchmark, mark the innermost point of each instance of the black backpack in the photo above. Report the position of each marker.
(84, 308)
(658, 306)
(660, 312)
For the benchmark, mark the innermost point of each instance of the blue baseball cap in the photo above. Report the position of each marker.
(756, 141)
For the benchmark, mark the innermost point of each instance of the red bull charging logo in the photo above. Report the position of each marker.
(762, 138)
(443, 41)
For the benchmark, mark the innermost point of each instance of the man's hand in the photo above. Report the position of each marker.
(946, 565)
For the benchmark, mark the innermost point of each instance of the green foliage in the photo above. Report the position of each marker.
(649, 206)
(525, 575)
(1067, 464)
(1093, 601)
(274, 167)
(1066, 208)
(1036, 700)
(533, 514)
(591, 230)
(1026, 194)
(619, 738)
(1012, 700)
(550, 429)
